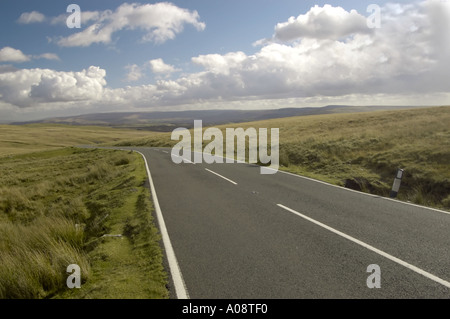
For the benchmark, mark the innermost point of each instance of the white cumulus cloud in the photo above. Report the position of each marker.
(220, 64)
(134, 73)
(159, 22)
(404, 61)
(159, 67)
(30, 87)
(8, 54)
(407, 55)
(325, 22)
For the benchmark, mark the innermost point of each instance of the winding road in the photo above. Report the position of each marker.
(238, 234)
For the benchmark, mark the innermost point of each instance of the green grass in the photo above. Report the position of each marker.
(59, 208)
(363, 150)
(58, 203)
(20, 139)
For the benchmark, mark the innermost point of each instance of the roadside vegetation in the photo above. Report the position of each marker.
(61, 205)
(78, 206)
(363, 151)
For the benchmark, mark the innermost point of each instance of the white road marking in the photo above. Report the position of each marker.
(177, 277)
(367, 246)
(184, 159)
(341, 187)
(224, 158)
(221, 176)
(165, 152)
(366, 194)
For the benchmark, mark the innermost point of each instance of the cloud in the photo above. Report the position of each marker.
(159, 22)
(325, 22)
(405, 61)
(6, 68)
(407, 55)
(31, 17)
(8, 54)
(31, 87)
(159, 67)
(134, 73)
(220, 64)
(86, 17)
(48, 56)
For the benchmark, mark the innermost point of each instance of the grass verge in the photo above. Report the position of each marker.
(84, 207)
(363, 151)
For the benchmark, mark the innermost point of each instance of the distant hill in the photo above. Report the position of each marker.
(167, 121)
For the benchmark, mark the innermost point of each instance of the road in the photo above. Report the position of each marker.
(239, 234)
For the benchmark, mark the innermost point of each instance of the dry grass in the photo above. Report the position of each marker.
(55, 206)
(34, 257)
(20, 139)
(364, 150)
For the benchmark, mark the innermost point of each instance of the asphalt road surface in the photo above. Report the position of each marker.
(238, 234)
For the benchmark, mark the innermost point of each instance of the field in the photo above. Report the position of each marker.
(67, 205)
(62, 205)
(20, 139)
(363, 151)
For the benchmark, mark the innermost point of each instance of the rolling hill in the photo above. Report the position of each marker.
(167, 121)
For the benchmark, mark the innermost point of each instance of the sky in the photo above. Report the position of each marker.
(219, 54)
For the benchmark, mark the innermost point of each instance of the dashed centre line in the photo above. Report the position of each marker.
(227, 179)
(184, 159)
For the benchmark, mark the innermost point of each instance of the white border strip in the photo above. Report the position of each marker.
(367, 246)
(363, 193)
(177, 277)
(229, 180)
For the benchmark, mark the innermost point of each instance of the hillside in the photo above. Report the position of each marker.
(167, 121)
(16, 139)
(363, 150)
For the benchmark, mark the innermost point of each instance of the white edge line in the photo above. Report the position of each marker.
(229, 180)
(376, 250)
(363, 193)
(177, 277)
(343, 188)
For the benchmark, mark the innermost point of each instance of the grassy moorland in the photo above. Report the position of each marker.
(363, 150)
(19, 139)
(75, 206)
(61, 205)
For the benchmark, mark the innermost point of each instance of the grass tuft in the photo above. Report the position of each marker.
(55, 207)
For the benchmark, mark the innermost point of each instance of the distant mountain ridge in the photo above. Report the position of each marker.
(166, 121)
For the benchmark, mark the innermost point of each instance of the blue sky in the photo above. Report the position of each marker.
(231, 25)
(199, 54)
